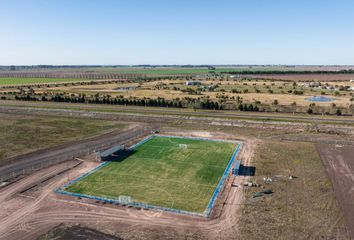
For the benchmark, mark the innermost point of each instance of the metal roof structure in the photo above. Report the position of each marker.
(112, 150)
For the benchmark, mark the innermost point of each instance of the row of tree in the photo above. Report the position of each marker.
(175, 103)
(273, 72)
(159, 102)
(70, 75)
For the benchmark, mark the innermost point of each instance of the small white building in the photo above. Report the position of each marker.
(193, 83)
(351, 81)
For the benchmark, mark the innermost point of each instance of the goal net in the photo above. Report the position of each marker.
(183, 146)
(125, 199)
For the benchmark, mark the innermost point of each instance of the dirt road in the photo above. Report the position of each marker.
(339, 163)
(177, 112)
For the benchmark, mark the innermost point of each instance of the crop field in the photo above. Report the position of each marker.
(177, 70)
(19, 81)
(157, 70)
(161, 173)
(307, 77)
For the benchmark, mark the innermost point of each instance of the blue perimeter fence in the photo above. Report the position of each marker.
(148, 206)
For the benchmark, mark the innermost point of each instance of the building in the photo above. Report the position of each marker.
(193, 83)
(112, 153)
(125, 89)
(351, 81)
(237, 166)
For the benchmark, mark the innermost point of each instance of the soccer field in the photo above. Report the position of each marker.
(161, 172)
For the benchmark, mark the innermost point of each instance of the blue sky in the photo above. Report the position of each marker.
(176, 32)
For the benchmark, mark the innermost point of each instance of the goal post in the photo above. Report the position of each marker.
(125, 199)
(183, 146)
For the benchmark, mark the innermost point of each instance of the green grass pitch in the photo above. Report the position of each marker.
(159, 172)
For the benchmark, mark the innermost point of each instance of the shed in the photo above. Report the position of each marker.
(109, 153)
(236, 168)
(193, 83)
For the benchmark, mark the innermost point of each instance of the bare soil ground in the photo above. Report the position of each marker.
(63, 232)
(28, 216)
(302, 207)
(339, 163)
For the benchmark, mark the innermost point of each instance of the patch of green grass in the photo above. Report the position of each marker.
(161, 173)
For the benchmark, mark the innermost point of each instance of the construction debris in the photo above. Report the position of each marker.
(268, 180)
(260, 194)
(251, 184)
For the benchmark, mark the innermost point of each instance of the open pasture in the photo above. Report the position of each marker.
(251, 91)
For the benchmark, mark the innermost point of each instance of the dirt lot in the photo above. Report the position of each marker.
(339, 164)
(300, 207)
(63, 232)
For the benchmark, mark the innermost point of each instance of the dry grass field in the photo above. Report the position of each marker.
(266, 93)
(29, 133)
(307, 77)
(251, 91)
(300, 208)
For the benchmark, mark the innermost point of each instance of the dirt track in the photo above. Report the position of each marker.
(31, 216)
(339, 163)
(16, 106)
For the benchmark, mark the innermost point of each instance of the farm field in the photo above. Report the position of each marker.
(161, 173)
(307, 77)
(179, 70)
(22, 134)
(19, 81)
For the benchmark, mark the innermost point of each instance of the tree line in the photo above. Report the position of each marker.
(70, 75)
(159, 102)
(274, 72)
